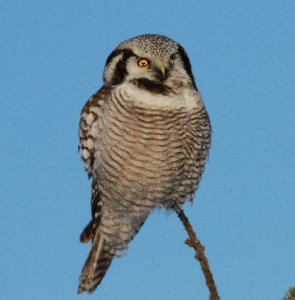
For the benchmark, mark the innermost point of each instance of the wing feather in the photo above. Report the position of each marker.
(90, 115)
(89, 118)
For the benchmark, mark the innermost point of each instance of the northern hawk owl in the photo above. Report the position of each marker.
(144, 141)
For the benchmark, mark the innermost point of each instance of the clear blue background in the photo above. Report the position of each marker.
(52, 54)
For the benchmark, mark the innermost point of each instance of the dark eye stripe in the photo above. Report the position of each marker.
(172, 56)
(187, 64)
(120, 68)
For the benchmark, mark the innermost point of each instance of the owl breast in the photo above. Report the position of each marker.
(150, 154)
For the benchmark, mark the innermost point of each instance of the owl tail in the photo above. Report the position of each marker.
(96, 265)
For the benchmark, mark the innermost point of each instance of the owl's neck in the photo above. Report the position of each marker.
(180, 97)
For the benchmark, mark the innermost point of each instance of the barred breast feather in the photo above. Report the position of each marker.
(143, 152)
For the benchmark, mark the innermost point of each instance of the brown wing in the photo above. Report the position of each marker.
(96, 205)
(88, 137)
(90, 114)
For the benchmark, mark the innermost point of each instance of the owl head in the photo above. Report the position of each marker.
(150, 59)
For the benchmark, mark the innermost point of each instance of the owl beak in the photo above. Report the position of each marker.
(162, 69)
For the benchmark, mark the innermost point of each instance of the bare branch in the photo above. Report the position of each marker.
(193, 242)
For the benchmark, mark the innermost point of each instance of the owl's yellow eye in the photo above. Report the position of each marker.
(143, 62)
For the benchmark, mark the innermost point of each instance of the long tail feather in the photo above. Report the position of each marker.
(96, 265)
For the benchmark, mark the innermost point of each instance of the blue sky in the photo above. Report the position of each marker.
(52, 55)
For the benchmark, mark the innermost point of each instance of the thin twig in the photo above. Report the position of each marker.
(193, 242)
(290, 295)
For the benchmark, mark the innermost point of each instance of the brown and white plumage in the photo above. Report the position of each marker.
(144, 141)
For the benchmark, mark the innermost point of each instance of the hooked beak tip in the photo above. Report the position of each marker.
(163, 70)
